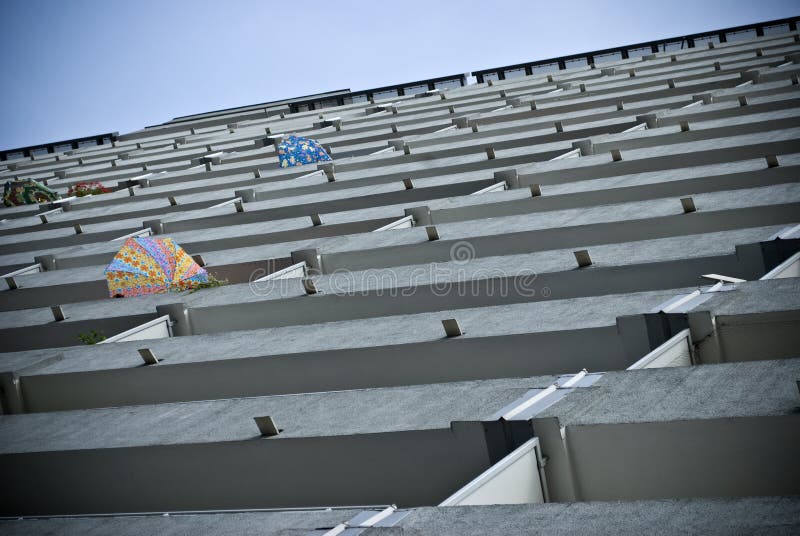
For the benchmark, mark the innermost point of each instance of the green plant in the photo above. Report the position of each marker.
(87, 188)
(91, 337)
(194, 287)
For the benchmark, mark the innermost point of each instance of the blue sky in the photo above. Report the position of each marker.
(80, 67)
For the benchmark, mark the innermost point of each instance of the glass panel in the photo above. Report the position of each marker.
(673, 45)
(413, 90)
(608, 57)
(639, 52)
(87, 143)
(446, 84)
(383, 95)
(355, 99)
(577, 62)
(546, 68)
(741, 36)
(63, 147)
(40, 151)
(14, 156)
(702, 41)
(302, 108)
(778, 28)
(515, 73)
(491, 76)
(325, 104)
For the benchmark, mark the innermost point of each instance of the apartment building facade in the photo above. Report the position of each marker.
(561, 297)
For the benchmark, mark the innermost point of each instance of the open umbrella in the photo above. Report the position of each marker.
(27, 192)
(296, 151)
(151, 265)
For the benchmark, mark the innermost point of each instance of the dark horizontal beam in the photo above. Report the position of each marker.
(623, 50)
(74, 143)
(368, 94)
(313, 101)
(226, 111)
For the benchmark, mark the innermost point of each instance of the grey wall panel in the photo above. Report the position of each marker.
(28, 298)
(66, 333)
(748, 456)
(406, 468)
(759, 337)
(533, 354)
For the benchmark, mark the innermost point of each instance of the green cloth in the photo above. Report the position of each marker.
(26, 193)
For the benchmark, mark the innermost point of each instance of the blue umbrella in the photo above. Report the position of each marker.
(296, 151)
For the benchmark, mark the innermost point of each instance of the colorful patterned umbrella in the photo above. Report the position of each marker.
(151, 265)
(27, 192)
(296, 151)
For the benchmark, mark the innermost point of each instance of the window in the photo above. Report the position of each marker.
(413, 90)
(577, 62)
(491, 76)
(515, 479)
(639, 52)
(515, 73)
(355, 99)
(741, 36)
(776, 29)
(383, 95)
(612, 56)
(87, 143)
(676, 352)
(673, 45)
(38, 152)
(703, 41)
(158, 328)
(788, 268)
(545, 68)
(63, 147)
(326, 104)
(446, 84)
